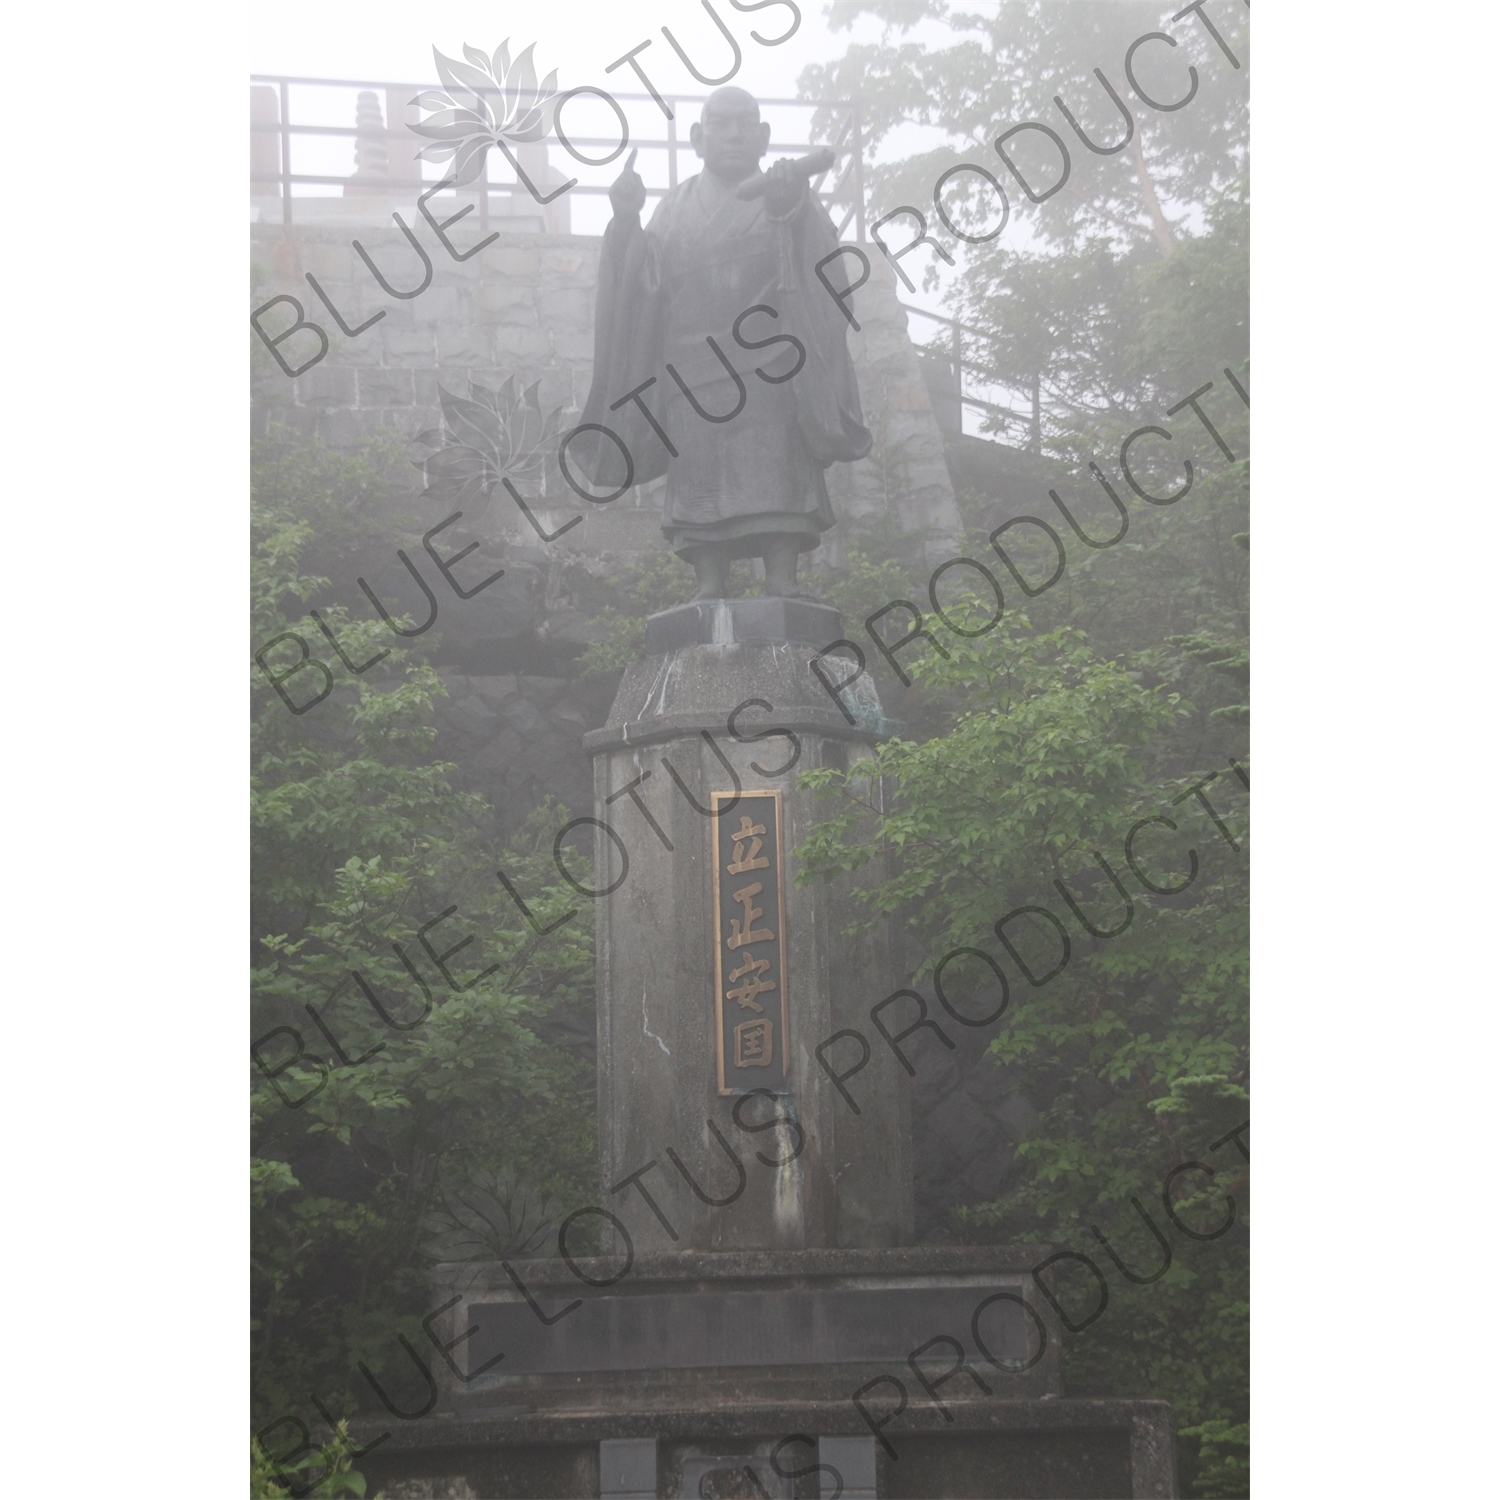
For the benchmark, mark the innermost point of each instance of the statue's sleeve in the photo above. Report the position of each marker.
(629, 326)
(828, 406)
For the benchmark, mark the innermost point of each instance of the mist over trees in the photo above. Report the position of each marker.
(1132, 278)
(1032, 749)
(364, 1164)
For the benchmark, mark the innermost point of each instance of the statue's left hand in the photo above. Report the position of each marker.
(627, 193)
(785, 189)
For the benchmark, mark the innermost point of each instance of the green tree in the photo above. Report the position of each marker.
(326, 1471)
(1006, 66)
(1042, 742)
(359, 839)
(1134, 1050)
(1130, 283)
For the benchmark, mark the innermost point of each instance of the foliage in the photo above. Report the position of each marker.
(648, 584)
(359, 839)
(1036, 762)
(1229, 657)
(1041, 742)
(1170, 601)
(1135, 1053)
(1130, 284)
(1005, 65)
(1223, 1457)
(1109, 331)
(333, 1464)
(876, 572)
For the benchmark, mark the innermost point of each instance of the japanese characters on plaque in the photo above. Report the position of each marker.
(750, 999)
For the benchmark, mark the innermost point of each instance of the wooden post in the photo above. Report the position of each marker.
(265, 153)
(286, 155)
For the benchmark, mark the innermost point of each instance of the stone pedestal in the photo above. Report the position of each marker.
(757, 1323)
(674, 1332)
(1069, 1450)
(728, 705)
(931, 1371)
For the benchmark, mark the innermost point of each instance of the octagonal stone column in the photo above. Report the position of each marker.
(725, 700)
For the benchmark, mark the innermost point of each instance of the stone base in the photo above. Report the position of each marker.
(1069, 1450)
(680, 1330)
(751, 622)
(622, 1395)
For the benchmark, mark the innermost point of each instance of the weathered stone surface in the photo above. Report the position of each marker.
(672, 1329)
(326, 388)
(658, 1087)
(755, 622)
(711, 1327)
(385, 387)
(431, 1487)
(668, 695)
(1104, 1449)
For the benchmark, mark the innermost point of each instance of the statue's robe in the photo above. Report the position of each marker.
(664, 291)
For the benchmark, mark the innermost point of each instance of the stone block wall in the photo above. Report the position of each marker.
(524, 305)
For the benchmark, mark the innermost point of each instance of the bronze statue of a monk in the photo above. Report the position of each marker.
(720, 355)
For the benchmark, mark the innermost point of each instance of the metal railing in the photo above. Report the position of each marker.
(954, 349)
(847, 190)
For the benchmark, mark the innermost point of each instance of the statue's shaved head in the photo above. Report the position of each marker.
(731, 137)
(731, 101)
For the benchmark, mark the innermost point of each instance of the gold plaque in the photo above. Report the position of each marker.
(750, 999)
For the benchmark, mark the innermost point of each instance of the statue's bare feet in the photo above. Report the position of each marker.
(711, 564)
(781, 570)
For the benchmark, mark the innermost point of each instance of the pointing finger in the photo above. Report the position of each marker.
(630, 160)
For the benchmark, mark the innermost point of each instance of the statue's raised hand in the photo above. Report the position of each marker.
(627, 193)
(785, 188)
